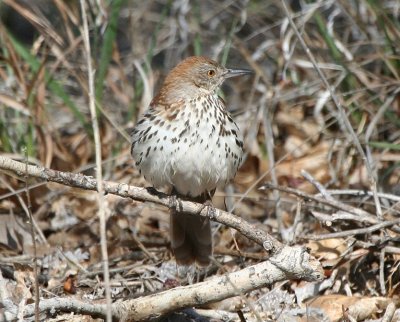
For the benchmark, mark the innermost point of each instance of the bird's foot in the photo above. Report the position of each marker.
(175, 203)
(211, 210)
(191, 274)
(187, 272)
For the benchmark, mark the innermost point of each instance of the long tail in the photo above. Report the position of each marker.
(191, 238)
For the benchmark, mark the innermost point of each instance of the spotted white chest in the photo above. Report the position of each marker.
(194, 148)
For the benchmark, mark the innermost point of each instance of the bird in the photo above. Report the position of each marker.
(188, 141)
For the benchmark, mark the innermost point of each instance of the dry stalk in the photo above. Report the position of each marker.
(99, 175)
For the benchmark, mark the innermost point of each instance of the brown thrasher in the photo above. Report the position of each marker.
(189, 142)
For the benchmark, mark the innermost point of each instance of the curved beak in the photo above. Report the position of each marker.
(237, 72)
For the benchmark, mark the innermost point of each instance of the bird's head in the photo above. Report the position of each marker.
(197, 75)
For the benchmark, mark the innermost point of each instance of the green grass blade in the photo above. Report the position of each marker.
(197, 38)
(107, 48)
(384, 145)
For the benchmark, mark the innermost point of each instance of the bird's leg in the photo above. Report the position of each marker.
(187, 272)
(207, 203)
(211, 211)
(191, 273)
(173, 200)
(175, 203)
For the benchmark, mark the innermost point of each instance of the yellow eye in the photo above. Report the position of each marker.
(211, 73)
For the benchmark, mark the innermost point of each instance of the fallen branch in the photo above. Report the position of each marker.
(303, 266)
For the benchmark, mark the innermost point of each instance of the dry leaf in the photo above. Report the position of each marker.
(359, 308)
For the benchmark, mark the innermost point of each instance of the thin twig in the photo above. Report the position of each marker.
(18, 193)
(32, 231)
(329, 202)
(297, 221)
(99, 176)
(269, 142)
(363, 193)
(354, 232)
(382, 271)
(316, 184)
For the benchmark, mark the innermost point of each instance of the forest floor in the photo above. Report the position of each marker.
(321, 125)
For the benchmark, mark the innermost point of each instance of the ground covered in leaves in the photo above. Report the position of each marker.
(321, 121)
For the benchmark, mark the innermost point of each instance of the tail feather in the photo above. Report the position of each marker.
(191, 239)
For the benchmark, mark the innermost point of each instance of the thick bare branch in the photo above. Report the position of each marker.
(300, 263)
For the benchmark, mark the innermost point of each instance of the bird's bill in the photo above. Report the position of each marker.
(237, 72)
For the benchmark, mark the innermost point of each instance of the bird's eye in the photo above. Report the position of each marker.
(211, 73)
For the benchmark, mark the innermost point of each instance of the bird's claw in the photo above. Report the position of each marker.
(211, 211)
(175, 203)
